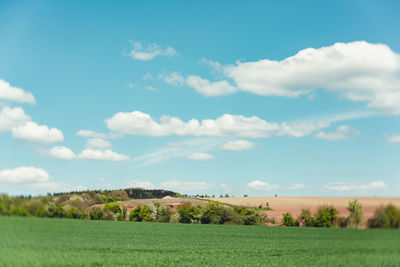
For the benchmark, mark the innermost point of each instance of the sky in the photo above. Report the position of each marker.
(230, 97)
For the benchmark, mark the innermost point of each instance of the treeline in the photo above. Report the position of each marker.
(212, 213)
(327, 216)
(76, 208)
(130, 193)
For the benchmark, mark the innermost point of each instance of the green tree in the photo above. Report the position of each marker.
(188, 213)
(96, 214)
(288, 220)
(356, 214)
(140, 214)
(326, 216)
(305, 218)
(215, 213)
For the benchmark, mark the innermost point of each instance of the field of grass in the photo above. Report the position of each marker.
(64, 242)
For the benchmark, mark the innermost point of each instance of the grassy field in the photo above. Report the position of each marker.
(64, 242)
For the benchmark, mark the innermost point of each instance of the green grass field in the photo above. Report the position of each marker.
(64, 242)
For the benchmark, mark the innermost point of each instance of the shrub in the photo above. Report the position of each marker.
(215, 213)
(189, 213)
(288, 220)
(162, 213)
(19, 211)
(140, 214)
(41, 212)
(247, 216)
(385, 217)
(113, 207)
(356, 214)
(305, 218)
(56, 212)
(96, 214)
(326, 216)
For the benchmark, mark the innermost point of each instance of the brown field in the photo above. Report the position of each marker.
(294, 205)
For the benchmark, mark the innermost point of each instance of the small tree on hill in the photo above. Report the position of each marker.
(326, 216)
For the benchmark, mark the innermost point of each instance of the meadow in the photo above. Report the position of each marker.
(30, 241)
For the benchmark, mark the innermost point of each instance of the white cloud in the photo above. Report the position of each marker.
(342, 133)
(24, 174)
(200, 156)
(208, 88)
(356, 71)
(12, 117)
(97, 143)
(109, 155)
(32, 132)
(140, 52)
(262, 186)
(238, 145)
(301, 129)
(395, 138)
(357, 187)
(138, 123)
(140, 184)
(8, 92)
(93, 134)
(62, 152)
(174, 78)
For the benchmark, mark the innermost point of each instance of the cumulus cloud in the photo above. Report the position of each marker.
(395, 138)
(258, 185)
(138, 123)
(144, 53)
(147, 76)
(24, 174)
(140, 184)
(8, 92)
(41, 134)
(62, 152)
(97, 143)
(207, 88)
(108, 155)
(12, 117)
(354, 187)
(174, 78)
(238, 145)
(356, 71)
(94, 151)
(200, 156)
(297, 186)
(342, 133)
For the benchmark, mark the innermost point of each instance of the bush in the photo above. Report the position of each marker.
(96, 214)
(41, 212)
(385, 217)
(356, 214)
(140, 214)
(113, 207)
(189, 213)
(19, 211)
(247, 216)
(305, 218)
(162, 213)
(215, 213)
(56, 212)
(326, 216)
(288, 220)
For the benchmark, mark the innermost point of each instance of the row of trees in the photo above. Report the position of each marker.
(212, 213)
(327, 216)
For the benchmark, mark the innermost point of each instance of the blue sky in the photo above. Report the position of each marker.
(272, 97)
